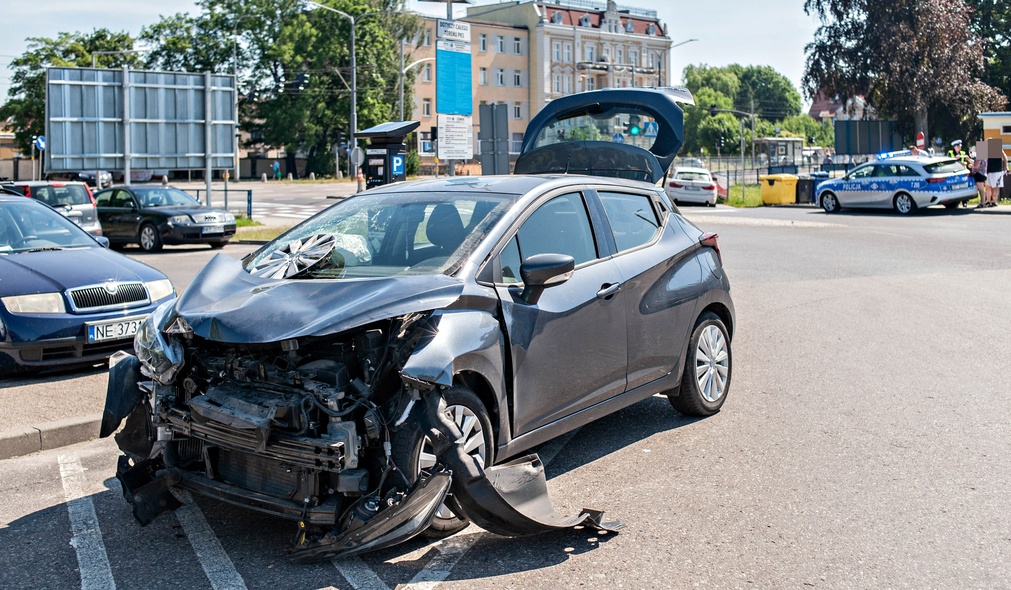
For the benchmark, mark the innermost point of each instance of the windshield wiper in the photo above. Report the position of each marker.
(46, 249)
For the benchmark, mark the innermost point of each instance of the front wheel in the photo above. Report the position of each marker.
(149, 238)
(904, 204)
(413, 452)
(830, 203)
(708, 368)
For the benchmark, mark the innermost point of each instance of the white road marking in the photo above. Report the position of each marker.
(218, 567)
(92, 559)
(704, 219)
(439, 568)
(358, 574)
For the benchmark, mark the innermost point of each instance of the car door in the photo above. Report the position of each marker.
(661, 281)
(856, 186)
(883, 186)
(568, 350)
(120, 219)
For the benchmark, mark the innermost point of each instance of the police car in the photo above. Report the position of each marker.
(899, 181)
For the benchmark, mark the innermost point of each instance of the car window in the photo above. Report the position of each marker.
(698, 176)
(121, 198)
(103, 198)
(906, 171)
(510, 260)
(164, 197)
(632, 218)
(859, 173)
(560, 226)
(883, 170)
(29, 226)
(944, 167)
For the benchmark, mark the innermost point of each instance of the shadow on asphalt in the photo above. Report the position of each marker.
(53, 375)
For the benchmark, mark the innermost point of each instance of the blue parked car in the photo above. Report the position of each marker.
(65, 298)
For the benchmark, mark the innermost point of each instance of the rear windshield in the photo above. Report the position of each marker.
(57, 196)
(699, 176)
(944, 167)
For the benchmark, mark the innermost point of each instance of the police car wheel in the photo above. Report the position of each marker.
(904, 204)
(829, 203)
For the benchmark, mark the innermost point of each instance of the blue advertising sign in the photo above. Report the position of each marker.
(453, 92)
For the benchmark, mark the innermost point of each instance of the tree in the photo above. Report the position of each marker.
(25, 105)
(991, 22)
(770, 93)
(905, 56)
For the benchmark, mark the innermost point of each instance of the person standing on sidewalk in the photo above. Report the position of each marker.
(996, 167)
(979, 176)
(957, 153)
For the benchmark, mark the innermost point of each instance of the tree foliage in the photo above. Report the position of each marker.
(25, 105)
(991, 22)
(774, 99)
(907, 57)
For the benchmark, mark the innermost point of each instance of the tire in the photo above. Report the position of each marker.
(904, 204)
(218, 245)
(705, 381)
(830, 203)
(149, 238)
(412, 451)
(952, 205)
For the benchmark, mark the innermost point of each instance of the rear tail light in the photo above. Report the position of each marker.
(708, 187)
(710, 239)
(676, 185)
(935, 180)
(28, 191)
(87, 189)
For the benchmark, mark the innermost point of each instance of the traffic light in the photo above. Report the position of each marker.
(634, 128)
(713, 110)
(301, 81)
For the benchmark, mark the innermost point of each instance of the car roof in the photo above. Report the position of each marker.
(914, 160)
(45, 182)
(518, 184)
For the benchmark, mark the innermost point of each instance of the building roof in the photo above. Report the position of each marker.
(572, 12)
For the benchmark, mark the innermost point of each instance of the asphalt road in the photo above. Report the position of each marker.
(865, 444)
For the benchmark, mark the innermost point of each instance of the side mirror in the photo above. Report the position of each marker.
(542, 271)
(103, 241)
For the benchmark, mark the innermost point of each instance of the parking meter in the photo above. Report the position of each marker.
(386, 154)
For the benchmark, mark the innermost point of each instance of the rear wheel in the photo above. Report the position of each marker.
(413, 452)
(830, 203)
(149, 238)
(952, 205)
(904, 204)
(708, 368)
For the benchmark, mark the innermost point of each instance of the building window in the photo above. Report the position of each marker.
(556, 18)
(426, 107)
(516, 144)
(556, 83)
(556, 51)
(425, 141)
(482, 42)
(584, 21)
(651, 29)
(1005, 130)
(629, 26)
(517, 78)
(619, 54)
(500, 43)
(567, 53)
(426, 73)
(517, 110)
(588, 53)
(633, 58)
(649, 60)
(591, 83)
(567, 84)
(517, 46)
(499, 77)
(482, 77)
(606, 54)
(426, 39)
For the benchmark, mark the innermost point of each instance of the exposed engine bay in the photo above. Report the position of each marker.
(306, 429)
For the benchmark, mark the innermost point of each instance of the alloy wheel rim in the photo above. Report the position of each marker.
(473, 444)
(829, 203)
(712, 363)
(147, 238)
(903, 203)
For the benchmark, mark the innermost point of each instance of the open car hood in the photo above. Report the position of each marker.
(227, 304)
(635, 134)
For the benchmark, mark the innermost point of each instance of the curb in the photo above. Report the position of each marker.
(48, 435)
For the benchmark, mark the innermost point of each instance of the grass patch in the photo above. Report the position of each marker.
(260, 232)
(752, 196)
(243, 221)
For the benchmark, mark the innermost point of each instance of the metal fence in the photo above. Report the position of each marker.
(248, 193)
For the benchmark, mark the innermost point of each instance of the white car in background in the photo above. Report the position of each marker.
(692, 185)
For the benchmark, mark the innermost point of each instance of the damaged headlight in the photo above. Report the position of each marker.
(160, 355)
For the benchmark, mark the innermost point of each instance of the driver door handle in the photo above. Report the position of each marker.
(608, 290)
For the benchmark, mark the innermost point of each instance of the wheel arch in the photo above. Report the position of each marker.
(485, 392)
(722, 312)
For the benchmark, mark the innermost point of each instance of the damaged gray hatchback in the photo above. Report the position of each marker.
(380, 369)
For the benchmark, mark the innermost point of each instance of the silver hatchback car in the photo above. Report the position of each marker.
(73, 199)
(901, 182)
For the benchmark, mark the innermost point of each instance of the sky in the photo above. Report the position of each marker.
(766, 32)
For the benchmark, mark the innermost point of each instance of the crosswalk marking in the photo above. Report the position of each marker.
(92, 559)
(358, 574)
(217, 565)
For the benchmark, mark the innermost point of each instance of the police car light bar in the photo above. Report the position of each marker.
(897, 154)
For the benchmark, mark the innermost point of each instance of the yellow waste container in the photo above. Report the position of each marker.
(778, 189)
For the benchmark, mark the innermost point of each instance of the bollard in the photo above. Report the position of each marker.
(312, 176)
(264, 179)
(289, 176)
(249, 204)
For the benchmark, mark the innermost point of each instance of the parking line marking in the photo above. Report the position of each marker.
(92, 560)
(358, 574)
(439, 568)
(218, 567)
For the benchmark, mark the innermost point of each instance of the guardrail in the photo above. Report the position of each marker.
(225, 191)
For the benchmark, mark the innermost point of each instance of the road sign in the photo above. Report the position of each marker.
(456, 137)
(618, 138)
(453, 88)
(649, 129)
(453, 30)
(357, 156)
(397, 165)
(920, 141)
(40, 143)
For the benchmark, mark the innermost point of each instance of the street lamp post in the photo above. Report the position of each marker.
(713, 109)
(403, 73)
(659, 72)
